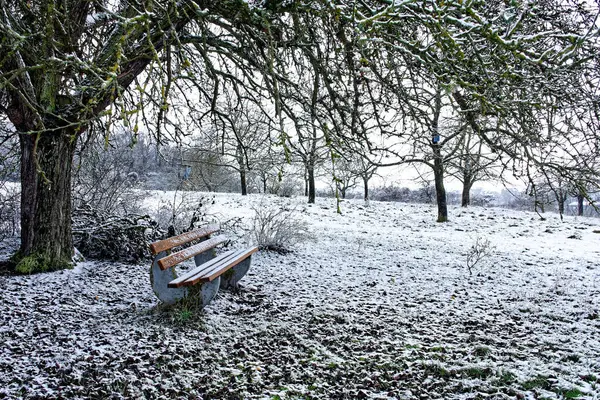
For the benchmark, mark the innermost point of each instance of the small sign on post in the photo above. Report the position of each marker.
(187, 172)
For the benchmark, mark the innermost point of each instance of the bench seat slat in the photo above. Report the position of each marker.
(186, 237)
(175, 283)
(218, 269)
(182, 255)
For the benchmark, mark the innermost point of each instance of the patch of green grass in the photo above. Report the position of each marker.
(411, 346)
(482, 351)
(187, 311)
(184, 315)
(540, 381)
(590, 378)
(437, 370)
(332, 365)
(506, 378)
(572, 393)
(572, 358)
(476, 372)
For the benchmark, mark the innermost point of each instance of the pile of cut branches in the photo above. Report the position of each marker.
(120, 238)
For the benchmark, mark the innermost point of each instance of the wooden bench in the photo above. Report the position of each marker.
(211, 273)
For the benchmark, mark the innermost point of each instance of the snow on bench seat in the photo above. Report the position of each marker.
(214, 268)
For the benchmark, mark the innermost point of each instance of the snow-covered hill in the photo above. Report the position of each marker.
(380, 305)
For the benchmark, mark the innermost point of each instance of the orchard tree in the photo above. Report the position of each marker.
(242, 137)
(306, 142)
(428, 137)
(344, 175)
(269, 167)
(366, 170)
(363, 169)
(472, 163)
(209, 169)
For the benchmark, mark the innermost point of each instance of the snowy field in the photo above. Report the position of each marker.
(380, 305)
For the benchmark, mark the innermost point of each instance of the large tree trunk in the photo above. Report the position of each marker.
(311, 185)
(242, 165)
(366, 187)
(438, 162)
(561, 205)
(466, 192)
(243, 182)
(580, 205)
(305, 182)
(46, 239)
(538, 206)
(440, 190)
(39, 87)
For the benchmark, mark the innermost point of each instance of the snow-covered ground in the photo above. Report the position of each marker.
(380, 305)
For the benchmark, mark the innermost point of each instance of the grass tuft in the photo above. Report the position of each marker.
(540, 381)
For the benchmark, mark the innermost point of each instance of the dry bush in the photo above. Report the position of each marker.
(288, 187)
(279, 229)
(183, 213)
(479, 251)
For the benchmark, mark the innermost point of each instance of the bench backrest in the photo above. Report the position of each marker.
(168, 244)
(182, 255)
(167, 261)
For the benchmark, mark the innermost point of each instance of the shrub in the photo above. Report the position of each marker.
(480, 250)
(183, 213)
(289, 187)
(102, 177)
(278, 229)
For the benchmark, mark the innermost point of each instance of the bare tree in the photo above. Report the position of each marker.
(473, 163)
(244, 137)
